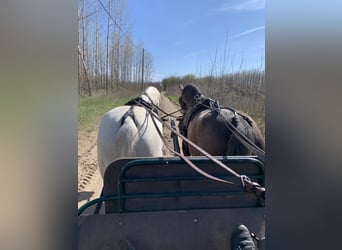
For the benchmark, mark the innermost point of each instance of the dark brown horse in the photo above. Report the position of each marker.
(219, 131)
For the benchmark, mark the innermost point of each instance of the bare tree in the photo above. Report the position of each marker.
(108, 51)
(148, 67)
(107, 46)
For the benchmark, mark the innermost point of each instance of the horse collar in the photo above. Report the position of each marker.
(202, 103)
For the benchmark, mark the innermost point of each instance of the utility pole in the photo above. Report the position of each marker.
(142, 70)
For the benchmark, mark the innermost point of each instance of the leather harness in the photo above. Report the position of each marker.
(138, 101)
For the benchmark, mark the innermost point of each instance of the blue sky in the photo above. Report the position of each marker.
(183, 36)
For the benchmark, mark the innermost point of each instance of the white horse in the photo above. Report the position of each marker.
(128, 131)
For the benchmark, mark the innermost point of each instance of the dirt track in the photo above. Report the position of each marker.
(89, 179)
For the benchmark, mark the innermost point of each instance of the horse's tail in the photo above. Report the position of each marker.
(235, 147)
(249, 129)
(127, 136)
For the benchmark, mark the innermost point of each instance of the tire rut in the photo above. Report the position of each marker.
(87, 161)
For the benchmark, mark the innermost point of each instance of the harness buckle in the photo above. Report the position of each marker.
(244, 179)
(214, 105)
(250, 186)
(198, 98)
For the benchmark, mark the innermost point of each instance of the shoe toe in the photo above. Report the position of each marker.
(241, 239)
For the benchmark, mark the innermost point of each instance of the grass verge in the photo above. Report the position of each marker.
(91, 109)
(174, 99)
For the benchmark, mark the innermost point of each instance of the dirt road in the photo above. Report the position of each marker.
(89, 178)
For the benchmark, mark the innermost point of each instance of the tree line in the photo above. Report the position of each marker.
(109, 58)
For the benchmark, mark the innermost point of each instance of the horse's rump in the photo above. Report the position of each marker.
(209, 130)
(218, 130)
(127, 135)
(128, 131)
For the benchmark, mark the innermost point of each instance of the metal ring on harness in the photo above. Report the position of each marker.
(215, 106)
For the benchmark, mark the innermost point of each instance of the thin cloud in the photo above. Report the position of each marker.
(248, 31)
(245, 5)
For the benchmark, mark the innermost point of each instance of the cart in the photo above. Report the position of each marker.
(162, 203)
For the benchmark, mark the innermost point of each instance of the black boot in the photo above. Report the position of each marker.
(242, 239)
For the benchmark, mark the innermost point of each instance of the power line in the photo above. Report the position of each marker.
(117, 24)
(84, 17)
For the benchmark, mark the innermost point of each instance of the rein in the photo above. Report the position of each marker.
(141, 102)
(171, 114)
(246, 182)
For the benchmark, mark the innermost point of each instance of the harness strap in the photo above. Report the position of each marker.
(127, 114)
(139, 101)
(165, 114)
(171, 114)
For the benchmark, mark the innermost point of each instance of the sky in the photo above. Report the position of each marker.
(184, 36)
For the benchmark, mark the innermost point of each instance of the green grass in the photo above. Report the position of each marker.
(174, 99)
(91, 109)
(260, 121)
